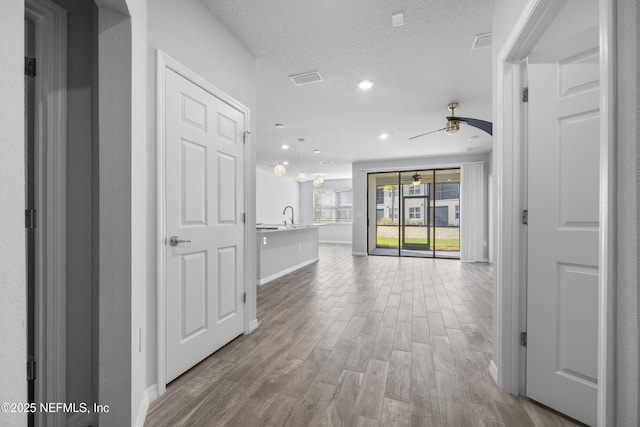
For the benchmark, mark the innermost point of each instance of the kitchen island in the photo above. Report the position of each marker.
(284, 249)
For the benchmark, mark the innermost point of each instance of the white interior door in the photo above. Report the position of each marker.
(204, 205)
(563, 203)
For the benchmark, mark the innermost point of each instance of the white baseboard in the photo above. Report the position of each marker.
(253, 325)
(359, 253)
(150, 394)
(82, 420)
(286, 271)
(335, 242)
(493, 371)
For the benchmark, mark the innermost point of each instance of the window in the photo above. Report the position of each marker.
(332, 205)
(395, 213)
(442, 216)
(415, 189)
(457, 211)
(414, 213)
(379, 195)
(447, 190)
(379, 215)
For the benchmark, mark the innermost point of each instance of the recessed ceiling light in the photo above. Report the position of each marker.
(285, 146)
(279, 125)
(316, 151)
(286, 162)
(365, 84)
(384, 135)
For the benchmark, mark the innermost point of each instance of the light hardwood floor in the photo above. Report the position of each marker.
(357, 341)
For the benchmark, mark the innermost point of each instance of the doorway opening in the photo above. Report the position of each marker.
(417, 213)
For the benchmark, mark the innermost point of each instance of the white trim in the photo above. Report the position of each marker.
(164, 61)
(606, 258)
(150, 394)
(286, 271)
(51, 184)
(493, 371)
(359, 254)
(506, 366)
(82, 419)
(336, 242)
(253, 325)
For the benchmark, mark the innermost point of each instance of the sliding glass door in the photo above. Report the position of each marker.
(384, 214)
(414, 213)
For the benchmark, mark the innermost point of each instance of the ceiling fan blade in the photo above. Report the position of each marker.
(423, 134)
(480, 124)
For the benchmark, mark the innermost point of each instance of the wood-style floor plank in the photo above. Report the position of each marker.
(358, 341)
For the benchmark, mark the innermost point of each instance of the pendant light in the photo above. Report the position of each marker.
(302, 177)
(318, 179)
(279, 169)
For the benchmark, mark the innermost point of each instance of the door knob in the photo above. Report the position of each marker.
(175, 241)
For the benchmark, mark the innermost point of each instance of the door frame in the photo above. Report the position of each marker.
(164, 62)
(507, 366)
(403, 225)
(50, 181)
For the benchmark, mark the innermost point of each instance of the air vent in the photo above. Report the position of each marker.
(327, 162)
(481, 41)
(306, 78)
(397, 19)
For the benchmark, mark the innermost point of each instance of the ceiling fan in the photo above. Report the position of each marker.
(453, 123)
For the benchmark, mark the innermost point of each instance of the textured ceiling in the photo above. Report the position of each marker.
(417, 69)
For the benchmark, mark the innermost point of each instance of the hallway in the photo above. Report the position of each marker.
(361, 341)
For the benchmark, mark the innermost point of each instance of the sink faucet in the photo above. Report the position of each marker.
(285, 210)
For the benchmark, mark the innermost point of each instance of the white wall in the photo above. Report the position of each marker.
(273, 193)
(628, 297)
(142, 211)
(360, 187)
(13, 304)
(80, 287)
(114, 308)
(189, 33)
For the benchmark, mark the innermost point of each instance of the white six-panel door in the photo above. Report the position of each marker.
(563, 168)
(204, 205)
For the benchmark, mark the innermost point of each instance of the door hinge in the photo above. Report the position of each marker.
(30, 218)
(246, 136)
(31, 369)
(525, 217)
(244, 297)
(525, 94)
(29, 66)
(243, 217)
(523, 339)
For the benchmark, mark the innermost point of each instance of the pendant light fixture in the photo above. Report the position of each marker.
(279, 169)
(302, 177)
(318, 179)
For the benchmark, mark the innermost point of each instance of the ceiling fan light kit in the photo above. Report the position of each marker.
(452, 126)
